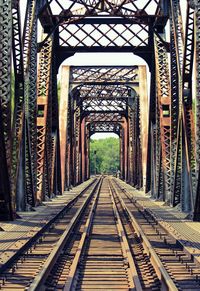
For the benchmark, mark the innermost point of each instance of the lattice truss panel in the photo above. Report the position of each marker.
(177, 66)
(5, 111)
(104, 122)
(104, 105)
(103, 98)
(101, 24)
(44, 82)
(119, 7)
(103, 35)
(103, 91)
(19, 110)
(183, 174)
(117, 75)
(104, 117)
(108, 117)
(30, 93)
(104, 127)
(163, 125)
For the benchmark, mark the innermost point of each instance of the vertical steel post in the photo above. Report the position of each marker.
(63, 121)
(197, 48)
(144, 112)
(43, 128)
(28, 164)
(164, 123)
(7, 205)
(83, 150)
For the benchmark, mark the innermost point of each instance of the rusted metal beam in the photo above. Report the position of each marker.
(63, 116)
(183, 176)
(143, 118)
(43, 101)
(197, 74)
(163, 123)
(7, 203)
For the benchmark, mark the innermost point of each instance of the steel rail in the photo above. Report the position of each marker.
(69, 283)
(179, 250)
(166, 281)
(135, 282)
(93, 249)
(78, 267)
(41, 277)
(45, 228)
(12, 264)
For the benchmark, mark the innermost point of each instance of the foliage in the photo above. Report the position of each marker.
(107, 155)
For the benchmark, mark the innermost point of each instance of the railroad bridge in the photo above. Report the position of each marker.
(154, 108)
(45, 149)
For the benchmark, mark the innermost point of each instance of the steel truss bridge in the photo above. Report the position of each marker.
(44, 149)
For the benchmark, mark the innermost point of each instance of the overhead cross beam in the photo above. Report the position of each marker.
(104, 126)
(104, 75)
(103, 26)
(99, 116)
(103, 91)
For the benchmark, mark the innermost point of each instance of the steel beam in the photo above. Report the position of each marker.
(197, 57)
(28, 168)
(7, 203)
(83, 150)
(44, 105)
(56, 186)
(144, 115)
(183, 174)
(164, 122)
(63, 116)
(19, 108)
(125, 148)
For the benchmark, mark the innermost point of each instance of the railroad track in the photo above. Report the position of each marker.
(144, 269)
(94, 258)
(99, 255)
(103, 241)
(103, 262)
(23, 267)
(175, 262)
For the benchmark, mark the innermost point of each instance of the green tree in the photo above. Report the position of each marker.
(107, 155)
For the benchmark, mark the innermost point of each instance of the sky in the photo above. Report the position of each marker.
(102, 135)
